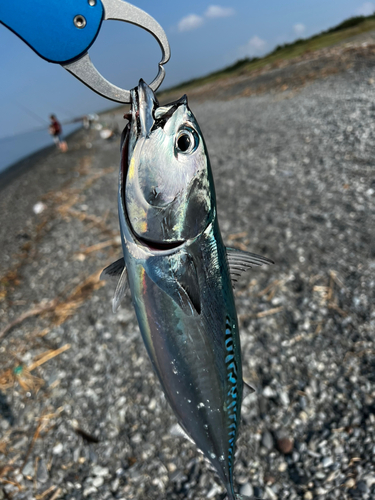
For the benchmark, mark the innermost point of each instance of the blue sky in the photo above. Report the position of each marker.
(204, 36)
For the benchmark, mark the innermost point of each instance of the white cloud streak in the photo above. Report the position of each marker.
(190, 22)
(299, 28)
(217, 11)
(366, 9)
(193, 21)
(253, 47)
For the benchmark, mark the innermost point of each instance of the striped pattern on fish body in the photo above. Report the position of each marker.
(196, 356)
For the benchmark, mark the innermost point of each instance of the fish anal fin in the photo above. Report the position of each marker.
(114, 269)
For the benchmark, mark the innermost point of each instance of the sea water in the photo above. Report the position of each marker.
(17, 147)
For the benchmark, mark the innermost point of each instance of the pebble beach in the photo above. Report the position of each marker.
(82, 415)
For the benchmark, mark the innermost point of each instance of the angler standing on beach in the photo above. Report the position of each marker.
(55, 130)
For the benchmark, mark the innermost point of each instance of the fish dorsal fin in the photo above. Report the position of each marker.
(240, 261)
(114, 269)
(121, 289)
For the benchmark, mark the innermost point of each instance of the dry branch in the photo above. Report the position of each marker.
(269, 312)
(47, 356)
(34, 311)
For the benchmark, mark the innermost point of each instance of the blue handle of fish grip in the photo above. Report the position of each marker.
(57, 30)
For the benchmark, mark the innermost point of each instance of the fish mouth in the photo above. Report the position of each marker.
(141, 123)
(157, 245)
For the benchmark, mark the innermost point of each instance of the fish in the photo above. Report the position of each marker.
(180, 273)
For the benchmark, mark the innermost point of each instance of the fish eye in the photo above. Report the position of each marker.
(186, 141)
(183, 142)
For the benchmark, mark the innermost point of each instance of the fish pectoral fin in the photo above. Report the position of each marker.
(240, 261)
(114, 269)
(182, 298)
(117, 268)
(188, 281)
(177, 277)
(121, 289)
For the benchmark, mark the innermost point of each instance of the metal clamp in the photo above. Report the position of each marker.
(84, 70)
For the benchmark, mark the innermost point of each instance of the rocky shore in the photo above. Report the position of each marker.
(82, 415)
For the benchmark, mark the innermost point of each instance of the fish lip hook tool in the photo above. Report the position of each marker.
(84, 70)
(62, 31)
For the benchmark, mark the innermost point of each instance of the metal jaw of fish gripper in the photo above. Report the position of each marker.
(84, 70)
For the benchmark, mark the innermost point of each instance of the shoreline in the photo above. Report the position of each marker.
(12, 171)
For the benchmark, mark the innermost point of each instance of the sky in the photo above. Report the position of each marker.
(204, 36)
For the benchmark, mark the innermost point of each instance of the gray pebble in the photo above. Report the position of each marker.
(100, 471)
(98, 481)
(42, 473)
(28, 470)
(363, 487)
(267, 440)
(247, 490)
(327, 462)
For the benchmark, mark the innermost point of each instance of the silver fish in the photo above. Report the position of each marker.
(180, 273)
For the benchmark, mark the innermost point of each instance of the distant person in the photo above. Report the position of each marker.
(55, 130)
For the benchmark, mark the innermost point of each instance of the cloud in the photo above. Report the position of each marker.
(217, 11)
(366, 9)
(190, 22)
(253, 47)
(193, 21)
(299, 28)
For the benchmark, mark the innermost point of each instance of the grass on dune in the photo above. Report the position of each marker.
(345, 30)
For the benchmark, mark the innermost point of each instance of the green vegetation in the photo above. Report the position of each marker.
(347, 29)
